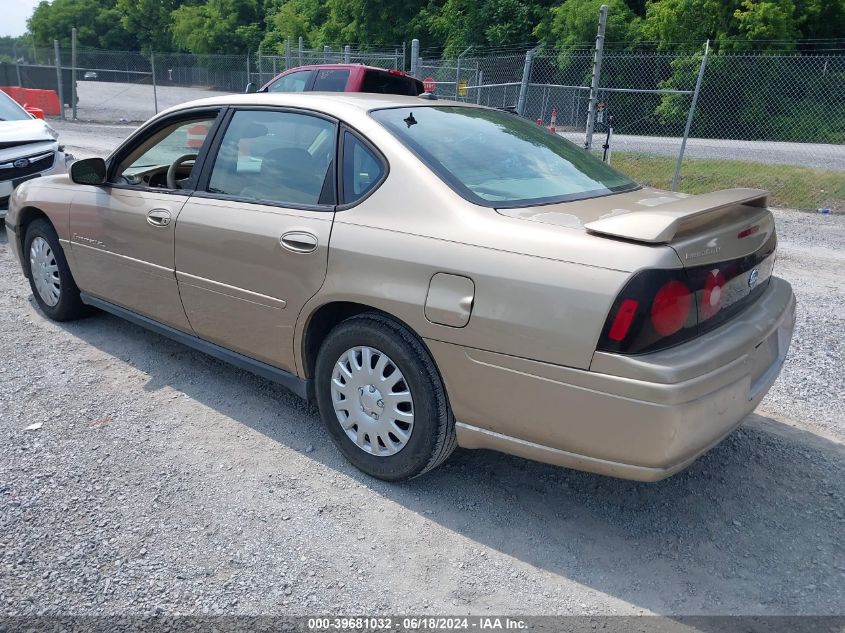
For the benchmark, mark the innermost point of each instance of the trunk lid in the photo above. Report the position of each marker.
(703, 229)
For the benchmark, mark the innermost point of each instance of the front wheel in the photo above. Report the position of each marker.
(382, 398)
(52, 284)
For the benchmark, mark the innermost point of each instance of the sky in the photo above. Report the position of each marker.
(15, 14)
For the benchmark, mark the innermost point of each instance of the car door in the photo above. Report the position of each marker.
(252, 241)
(122, 233)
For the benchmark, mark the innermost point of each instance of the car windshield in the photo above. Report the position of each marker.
(10, 110)
(497, 159)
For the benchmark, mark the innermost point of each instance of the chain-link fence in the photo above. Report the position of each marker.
(131, 86)
(690, 120)
(646, 108)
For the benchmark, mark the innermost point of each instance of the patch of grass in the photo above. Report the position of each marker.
(791, 187)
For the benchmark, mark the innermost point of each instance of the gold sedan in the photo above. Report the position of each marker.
(434, 274)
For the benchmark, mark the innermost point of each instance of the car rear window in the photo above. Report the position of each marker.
(497, 159)
(331, 80)
(382, 82)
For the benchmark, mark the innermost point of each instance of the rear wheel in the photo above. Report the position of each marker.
(382, 399)
(52, 284)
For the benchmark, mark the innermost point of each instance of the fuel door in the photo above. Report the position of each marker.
(449, 300)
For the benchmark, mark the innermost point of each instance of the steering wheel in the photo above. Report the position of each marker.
(175, 165)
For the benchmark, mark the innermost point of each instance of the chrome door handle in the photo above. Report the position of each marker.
(299, 241)
(158, 217)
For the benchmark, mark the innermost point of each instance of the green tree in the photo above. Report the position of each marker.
(685, 24)
(576, 22)
(97, 22)
(457, 24)
(368, 23)
(772, 22)
(294, 19)
(148, 21)
(219, 26)
(820, 18)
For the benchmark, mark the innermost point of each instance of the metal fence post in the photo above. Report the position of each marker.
(415, 55)
(480, 80)
(526, 78)
(458, 69)
(404, 66)
(59, 78)
(73, 73)
(347, 51)
(677, 175)
(153, 73)
(17, 63)
(288, 53)
(300, 50)
(594, 86)
(247, 67)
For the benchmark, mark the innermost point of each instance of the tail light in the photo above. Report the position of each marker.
(661, 308)
(655, 309)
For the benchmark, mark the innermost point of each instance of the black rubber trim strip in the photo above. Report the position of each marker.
(301, 387)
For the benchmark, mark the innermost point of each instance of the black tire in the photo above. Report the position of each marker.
(69, 306)
(432, 438)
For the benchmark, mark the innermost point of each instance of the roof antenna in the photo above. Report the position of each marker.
(410, 120)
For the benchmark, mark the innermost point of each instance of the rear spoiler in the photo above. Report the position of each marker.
(661, 223)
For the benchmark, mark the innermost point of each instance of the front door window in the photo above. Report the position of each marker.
(173, 149)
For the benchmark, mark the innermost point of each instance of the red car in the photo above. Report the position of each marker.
(344, 78)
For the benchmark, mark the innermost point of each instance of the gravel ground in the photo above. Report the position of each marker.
(113, 102)
(163, 481)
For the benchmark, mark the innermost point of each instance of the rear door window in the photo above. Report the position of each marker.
(277, 157)
(363, 171)
(382, 82)
(295, 82)
(331, 80)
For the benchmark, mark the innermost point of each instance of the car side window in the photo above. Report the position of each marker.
(148, 163)
(294, 82)
(362, 169)
(276, 157)
(331, 80)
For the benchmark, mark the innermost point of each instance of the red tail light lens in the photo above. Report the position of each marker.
(671, 307)
(655, 309)
(624, 317)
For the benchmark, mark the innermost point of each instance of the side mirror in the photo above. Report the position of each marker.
(250, 88)
(90, 171)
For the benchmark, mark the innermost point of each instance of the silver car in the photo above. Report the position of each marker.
(29, 148)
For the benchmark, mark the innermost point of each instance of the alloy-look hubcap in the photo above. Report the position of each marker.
(44, 271)
(372, 401)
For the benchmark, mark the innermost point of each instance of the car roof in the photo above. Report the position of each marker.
(343, 66)
(337, 104)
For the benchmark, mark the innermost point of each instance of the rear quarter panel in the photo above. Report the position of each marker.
(529, 301)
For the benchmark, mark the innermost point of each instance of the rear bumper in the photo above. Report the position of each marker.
(642, 417)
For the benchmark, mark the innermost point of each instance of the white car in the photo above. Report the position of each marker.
(28, 148)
